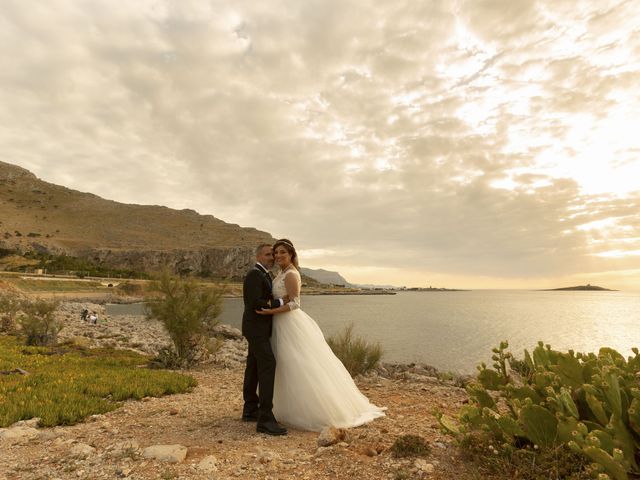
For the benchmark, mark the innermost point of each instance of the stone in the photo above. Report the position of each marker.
(369, 451)
(32, 422)
(422, 465)
(81, 450)
(322, 451)
(227, 331)
(267, 457)
(49, 435)
(331, 435)
(166, 453)
(123, 472)
(18, 434)
(208, 464)
(128, 448)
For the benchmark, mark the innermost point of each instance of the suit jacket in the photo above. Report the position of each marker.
(256, 291)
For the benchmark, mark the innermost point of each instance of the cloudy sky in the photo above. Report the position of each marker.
(468, 144)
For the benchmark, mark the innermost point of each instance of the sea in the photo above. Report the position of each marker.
(456, 330)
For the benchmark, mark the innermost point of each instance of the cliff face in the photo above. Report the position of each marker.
(223, 262)
(40, 216)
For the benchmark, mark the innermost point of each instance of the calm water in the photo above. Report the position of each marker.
(456, 330)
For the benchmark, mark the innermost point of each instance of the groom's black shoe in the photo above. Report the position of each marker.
(271, 427)
(249, 417)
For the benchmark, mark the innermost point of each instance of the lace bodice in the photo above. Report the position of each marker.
(280, 290)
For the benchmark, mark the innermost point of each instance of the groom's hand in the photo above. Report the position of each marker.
(285, 299)
(262, 304)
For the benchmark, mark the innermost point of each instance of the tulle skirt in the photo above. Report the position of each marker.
(312, 387)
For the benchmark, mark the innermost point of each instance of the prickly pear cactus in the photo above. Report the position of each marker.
(588, 402)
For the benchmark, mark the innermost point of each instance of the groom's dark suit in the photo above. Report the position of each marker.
(261, 363)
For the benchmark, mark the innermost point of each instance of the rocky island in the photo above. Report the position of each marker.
(588, 287)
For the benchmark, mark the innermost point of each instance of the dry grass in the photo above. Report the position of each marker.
(42, 285)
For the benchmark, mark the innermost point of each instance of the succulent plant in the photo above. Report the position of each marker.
(589, 402)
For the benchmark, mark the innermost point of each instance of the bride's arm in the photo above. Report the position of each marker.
(292, 284)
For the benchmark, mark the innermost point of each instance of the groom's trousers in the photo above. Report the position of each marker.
(259, 375)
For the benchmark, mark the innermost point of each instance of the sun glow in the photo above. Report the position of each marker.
(618, 253)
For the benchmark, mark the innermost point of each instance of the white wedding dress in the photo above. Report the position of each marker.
(312, 387)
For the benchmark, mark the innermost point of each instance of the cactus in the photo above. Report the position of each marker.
(597, 408)
(585, 401)
(624, 440)
(634, 415)
(448, 425)
(569, 370)
(568, 403)
(540, 425)
(569, 430)
(611, 389)
(610, 464)
(490, 379)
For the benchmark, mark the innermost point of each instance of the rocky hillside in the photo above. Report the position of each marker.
(43, 217)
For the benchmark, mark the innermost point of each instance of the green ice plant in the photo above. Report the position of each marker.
(589, 403)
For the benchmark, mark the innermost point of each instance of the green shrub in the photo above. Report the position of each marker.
(586, 403)
(10, 305)
(188, 312)
(200, 346)
(357, 355)
(410, 446)
(38, 323)
(78, 266)
(402, 474)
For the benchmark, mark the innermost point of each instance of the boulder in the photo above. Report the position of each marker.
(227, 331)
(208, 464)
(331, 435)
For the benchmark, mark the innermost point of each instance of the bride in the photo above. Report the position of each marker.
(312, 388)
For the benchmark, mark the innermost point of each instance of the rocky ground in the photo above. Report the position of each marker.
(199, 435)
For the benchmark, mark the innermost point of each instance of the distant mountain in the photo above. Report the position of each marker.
(36, 216)
(325, 276)
(369, 286)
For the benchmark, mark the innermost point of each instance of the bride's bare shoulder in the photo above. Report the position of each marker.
(294, 272)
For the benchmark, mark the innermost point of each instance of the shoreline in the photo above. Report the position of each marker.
(206, 423)
(116, 327)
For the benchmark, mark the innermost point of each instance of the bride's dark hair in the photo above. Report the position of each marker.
(288, 246)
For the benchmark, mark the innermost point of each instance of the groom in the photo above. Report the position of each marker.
(260, 371)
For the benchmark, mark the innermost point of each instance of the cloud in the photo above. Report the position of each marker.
(462, 138)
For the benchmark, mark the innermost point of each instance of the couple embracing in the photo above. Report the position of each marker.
(291, 372)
